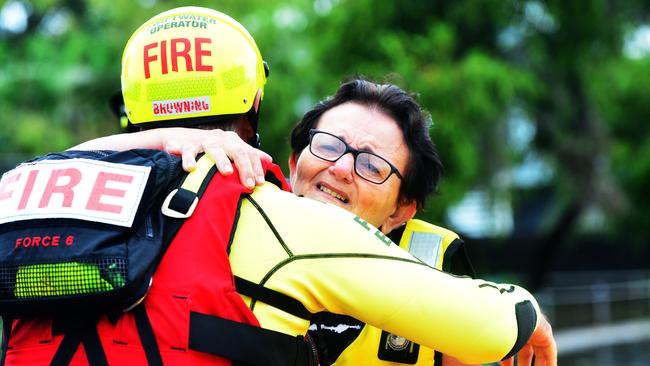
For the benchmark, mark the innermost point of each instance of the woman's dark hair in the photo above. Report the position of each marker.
(424, 168)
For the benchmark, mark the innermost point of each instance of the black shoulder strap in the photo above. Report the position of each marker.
(147, 337)
(245, 343)
(272, 297)
(7, 324)
(66, 349)
(78, 330)
(456, 259)
(437, 358)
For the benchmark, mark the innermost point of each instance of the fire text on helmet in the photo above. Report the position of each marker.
(189, 52)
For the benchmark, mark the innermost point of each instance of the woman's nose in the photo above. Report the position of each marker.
(343, 168)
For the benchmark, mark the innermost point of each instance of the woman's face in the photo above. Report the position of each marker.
(366, 129)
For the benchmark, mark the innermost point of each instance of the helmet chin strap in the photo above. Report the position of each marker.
(255, 141)
(253, 116)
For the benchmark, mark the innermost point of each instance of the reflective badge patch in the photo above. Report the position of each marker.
(397, 349)
(426, 247)
(81, 189)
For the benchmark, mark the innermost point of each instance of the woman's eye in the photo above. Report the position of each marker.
(330, 148)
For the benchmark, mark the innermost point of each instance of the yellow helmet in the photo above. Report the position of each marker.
(187, 64)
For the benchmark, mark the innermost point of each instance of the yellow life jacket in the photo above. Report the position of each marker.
(433, 245)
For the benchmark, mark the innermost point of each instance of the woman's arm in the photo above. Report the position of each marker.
(221, 146)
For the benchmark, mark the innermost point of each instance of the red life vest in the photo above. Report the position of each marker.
(193, 285)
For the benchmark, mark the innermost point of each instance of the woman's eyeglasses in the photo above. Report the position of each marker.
(367, 165)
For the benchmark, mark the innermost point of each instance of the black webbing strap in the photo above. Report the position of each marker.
(245, 343)
(84, 332)
(182, 200)
(7, 324)
(93, 347)
(456, 259)
(147, 337)
(437, 359)
(66, 349)
(271, 297)
(76, 332)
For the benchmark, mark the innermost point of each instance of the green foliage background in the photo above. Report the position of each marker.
(559, 65)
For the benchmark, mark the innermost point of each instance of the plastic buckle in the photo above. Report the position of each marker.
(168, 211)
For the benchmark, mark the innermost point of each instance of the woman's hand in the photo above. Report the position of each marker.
(222, 146)
(541, 344)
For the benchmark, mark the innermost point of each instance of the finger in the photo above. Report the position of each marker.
(264, 156)
(173, 147)
(221, 160)
(189, 157)
(525, 356)
(544, 345)
(545, 356)
(236, 150)
(258, 171)
(245, 168)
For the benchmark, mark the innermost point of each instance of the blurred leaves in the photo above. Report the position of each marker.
(558, 66)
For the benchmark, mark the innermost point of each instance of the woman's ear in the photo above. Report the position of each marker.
(293, 161)
(403, 213)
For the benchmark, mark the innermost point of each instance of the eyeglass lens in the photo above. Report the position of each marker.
(369, 166)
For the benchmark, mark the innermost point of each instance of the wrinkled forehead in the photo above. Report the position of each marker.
(366, 128)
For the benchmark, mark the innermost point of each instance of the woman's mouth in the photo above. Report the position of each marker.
(332, 193)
